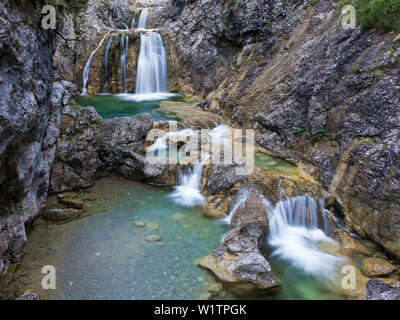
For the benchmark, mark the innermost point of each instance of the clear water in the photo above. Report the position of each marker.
(106, 257)
(117, 106)
(297, 285)
(270, 162)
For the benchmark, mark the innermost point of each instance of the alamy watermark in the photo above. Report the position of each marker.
(348, 17)
(221, 145)
(349, 280)
(49, 280)
(49, 20)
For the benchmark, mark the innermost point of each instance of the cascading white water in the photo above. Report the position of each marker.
(295, 238)
(124, 47)
(86, 70)
(152, 65)
(241, 198)
(109, 42)
(187, 192)
(143, 19)
(133, 21)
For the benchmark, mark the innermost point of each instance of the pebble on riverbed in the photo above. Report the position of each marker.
(153, 238)
(139, 224)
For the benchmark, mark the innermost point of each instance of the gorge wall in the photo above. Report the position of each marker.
(35, 67)
(315, 92)
(27, 135)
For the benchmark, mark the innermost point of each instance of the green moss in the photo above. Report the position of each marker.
(381, 14)
(59, 157)
(297, 130)
(379, 73)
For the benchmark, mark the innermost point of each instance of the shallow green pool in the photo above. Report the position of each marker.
(270, 162)
(117, 106)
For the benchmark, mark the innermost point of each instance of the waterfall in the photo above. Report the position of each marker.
(133, 21)
(106, 63)
(241, 198)
(124, 47)
(152, 65)
(86, 70)
(187, 193)
(295, 238)
(143, 19)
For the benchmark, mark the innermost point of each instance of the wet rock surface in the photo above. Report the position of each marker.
(375, 267)
(378, 290)
(61, 214)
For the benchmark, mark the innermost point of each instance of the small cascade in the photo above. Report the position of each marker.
(143, 19)
(187, 193)
(124, 47)
(295, 238)
(241, 198)
(152, 65)
(109, 42)
(86, 70)
(133, 21)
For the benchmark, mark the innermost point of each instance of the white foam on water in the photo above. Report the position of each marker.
(295, 238)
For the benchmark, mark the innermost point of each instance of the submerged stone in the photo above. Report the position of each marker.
(61, 214)
(153, 238)
(378, 290)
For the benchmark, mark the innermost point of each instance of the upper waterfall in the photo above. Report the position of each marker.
(152, 65)
(86, 70)
(143, 19)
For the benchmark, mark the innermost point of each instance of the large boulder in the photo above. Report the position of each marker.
(90, 147)
(315, 92)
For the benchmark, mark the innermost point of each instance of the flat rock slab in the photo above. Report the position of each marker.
(61, 214)
(72, 203)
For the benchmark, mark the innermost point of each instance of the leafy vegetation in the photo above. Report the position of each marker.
(381, 14)
(298, 130)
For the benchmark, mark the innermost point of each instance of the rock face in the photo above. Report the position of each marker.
(379, 290)
(90, 147)
(87, 28)
(28, 125)
(320, 94)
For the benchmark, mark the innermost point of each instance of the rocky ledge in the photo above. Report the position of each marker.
(90, 148)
